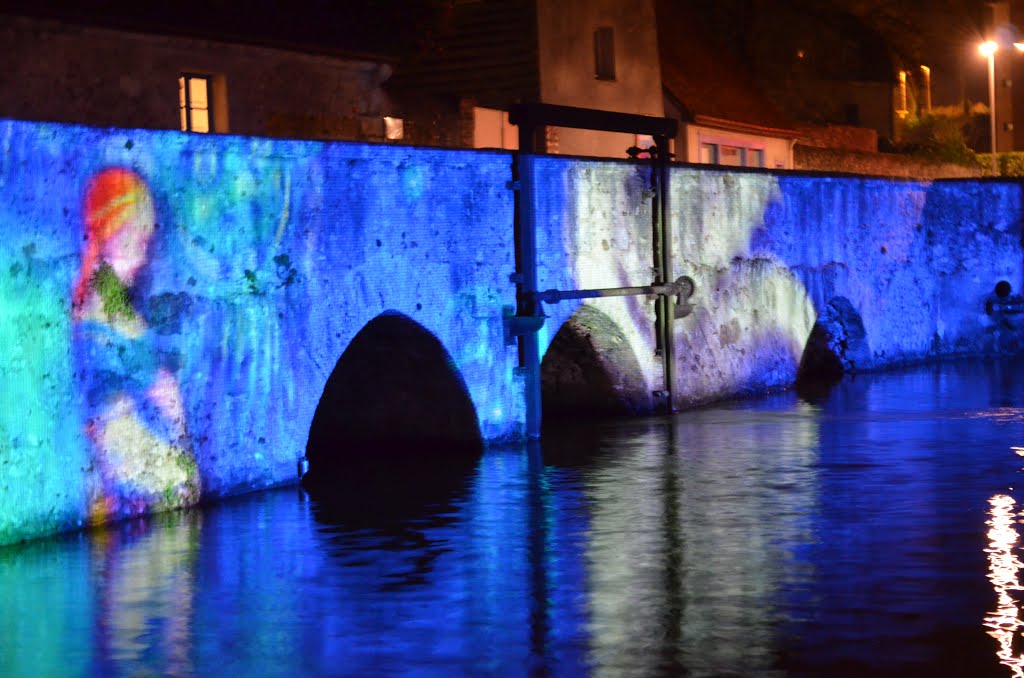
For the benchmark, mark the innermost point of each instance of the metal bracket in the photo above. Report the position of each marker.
(686, 287)
(519, 325)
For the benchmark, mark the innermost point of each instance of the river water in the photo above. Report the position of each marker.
(867, 531)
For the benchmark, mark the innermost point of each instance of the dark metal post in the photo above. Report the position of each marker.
(663, 244)
(530, 118)
(528, 304)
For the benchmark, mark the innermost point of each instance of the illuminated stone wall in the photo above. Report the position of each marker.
(916, 260)
(172, 305)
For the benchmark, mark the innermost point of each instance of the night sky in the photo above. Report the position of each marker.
(396, 28)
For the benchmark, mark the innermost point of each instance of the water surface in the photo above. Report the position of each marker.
(871, 530)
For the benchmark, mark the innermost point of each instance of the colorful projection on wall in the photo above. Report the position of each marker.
(172, 305)
(141, 454)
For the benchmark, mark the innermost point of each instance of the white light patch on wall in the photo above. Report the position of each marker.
(714, 214)
(612, 239)
(753, 315)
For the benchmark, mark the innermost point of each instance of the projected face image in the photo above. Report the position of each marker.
(141, 454)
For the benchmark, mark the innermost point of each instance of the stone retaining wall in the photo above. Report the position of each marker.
(172, 305)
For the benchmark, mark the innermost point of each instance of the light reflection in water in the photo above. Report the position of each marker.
(144, 578)
(771, 537)
(1004, 565)
(709, 520)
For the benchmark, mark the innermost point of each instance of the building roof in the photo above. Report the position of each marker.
(709, 85)
(490, 53)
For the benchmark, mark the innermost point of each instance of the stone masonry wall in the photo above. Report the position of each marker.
(812, 159)
(172, 305)
(916, 260)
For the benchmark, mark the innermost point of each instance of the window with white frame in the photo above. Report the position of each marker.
(731, 154)
(709, 154)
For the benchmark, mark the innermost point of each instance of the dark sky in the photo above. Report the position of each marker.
(393, 28)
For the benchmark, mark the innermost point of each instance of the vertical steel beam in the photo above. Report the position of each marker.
(532, 118)
(526, 274)
(663, 245)
(529, 305)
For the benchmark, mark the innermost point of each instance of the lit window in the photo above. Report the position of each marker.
(604, 53)
(735, 154)
(731, 155)
(491, 129)
(644, 141)
(394, 128)
(194, 102)
(709, 154)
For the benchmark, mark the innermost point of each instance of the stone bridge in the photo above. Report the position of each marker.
(174, 307)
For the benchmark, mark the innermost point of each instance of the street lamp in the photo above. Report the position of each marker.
(988, 50)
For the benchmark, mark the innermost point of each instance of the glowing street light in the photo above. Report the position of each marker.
(988, 50)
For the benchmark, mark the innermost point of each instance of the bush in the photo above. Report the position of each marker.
(1011, 164)
(938, 137)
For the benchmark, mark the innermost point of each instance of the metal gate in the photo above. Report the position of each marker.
(529, 316)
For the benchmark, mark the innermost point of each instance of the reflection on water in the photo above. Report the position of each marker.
(1004, 621)
(872, 530)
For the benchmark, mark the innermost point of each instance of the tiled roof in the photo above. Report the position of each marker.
(491, 55)
(709, 85)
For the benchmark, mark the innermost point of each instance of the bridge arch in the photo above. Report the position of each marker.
(394, 396)
(591, 370)
(837, 344)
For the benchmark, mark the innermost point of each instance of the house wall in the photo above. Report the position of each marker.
(566, 63)
(104, 77)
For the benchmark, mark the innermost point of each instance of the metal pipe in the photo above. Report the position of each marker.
(665, 264)
(528, 306)
(555, 296)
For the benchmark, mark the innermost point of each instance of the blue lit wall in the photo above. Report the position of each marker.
(917, 261)
(172, 305)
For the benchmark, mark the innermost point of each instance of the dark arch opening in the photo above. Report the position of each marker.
(590, 371)
(393, 412)
(838, 345)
